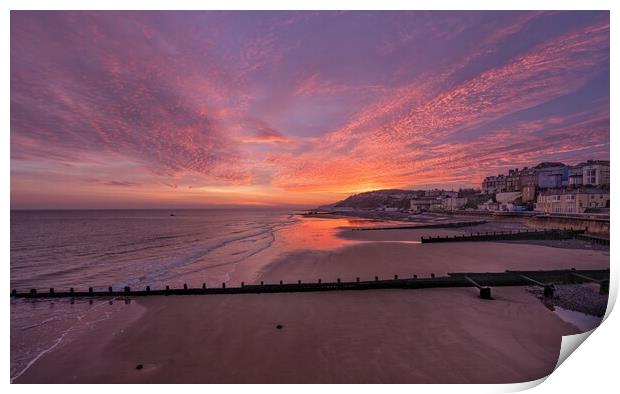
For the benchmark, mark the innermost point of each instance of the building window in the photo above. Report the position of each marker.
(591, 177)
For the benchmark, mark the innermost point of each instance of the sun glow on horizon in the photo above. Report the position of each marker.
(149, 109)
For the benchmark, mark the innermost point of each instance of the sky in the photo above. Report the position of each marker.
(198, 109)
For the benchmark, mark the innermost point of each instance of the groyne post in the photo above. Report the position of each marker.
(548, 289)
(604, 287)
(485, 292)
(603, 284)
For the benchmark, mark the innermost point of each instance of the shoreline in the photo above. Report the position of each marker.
(178, 338)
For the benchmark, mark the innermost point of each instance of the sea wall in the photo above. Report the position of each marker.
(597, 226)
(590, 224)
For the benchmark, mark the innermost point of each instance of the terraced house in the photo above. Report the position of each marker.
(572, 200)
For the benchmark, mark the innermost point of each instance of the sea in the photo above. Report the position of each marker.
(139, 248)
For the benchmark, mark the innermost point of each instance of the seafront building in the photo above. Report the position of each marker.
(592, 172)
(437, 200)
(534, 188)
(569, 201)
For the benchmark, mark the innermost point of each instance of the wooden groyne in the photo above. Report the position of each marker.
(469, 279)
(423, 226)
(553, 234)
(594, 239)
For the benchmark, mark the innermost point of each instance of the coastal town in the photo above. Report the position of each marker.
(310, 196)
(547, 188)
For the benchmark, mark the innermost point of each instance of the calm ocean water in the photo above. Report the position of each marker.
(64, 249)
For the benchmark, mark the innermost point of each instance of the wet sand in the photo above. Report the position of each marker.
(382, 336)
(382, 257)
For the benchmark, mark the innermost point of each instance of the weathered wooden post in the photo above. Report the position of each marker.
(184, 286)
(357, 279)
(281, 282)
(13, 292)
(299, 281)
(242, 284)
(262, 283)
(51, 290)
(415, 277)
(148, 289)
(127, 289)
(432, 275)
(33, 291)
(110, 289)
(604, 286)
(204, 286)
(223, 285)
(485, 293)
(376, 278)
(70, 291)
(90, 290)
(338, 280)
(395, 277)
(548, 291)
(319, 280)
(167, 290)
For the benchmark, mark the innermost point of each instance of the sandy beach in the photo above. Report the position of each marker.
(383, 336)
(386, 253)
(379, 336)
